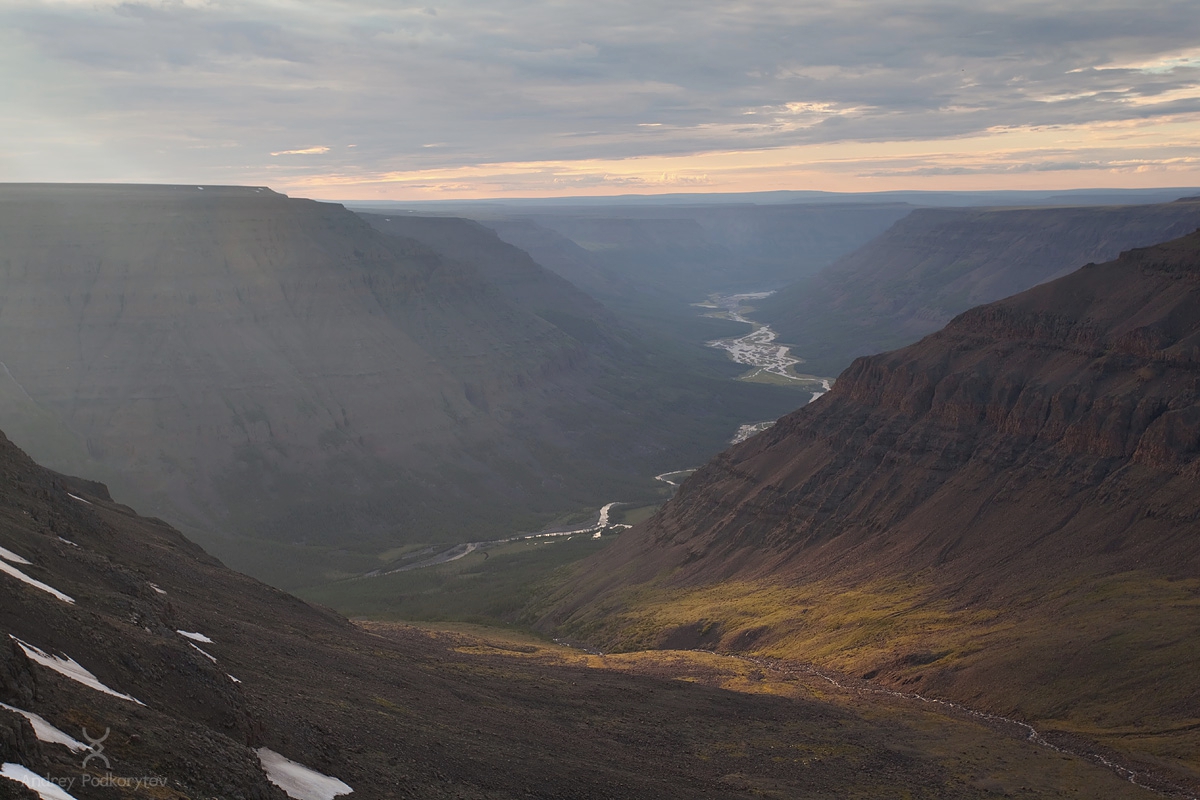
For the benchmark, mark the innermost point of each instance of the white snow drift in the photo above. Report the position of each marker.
(46, 732)
(9, 569)
(297, 780)
(44, 788)
(69, 668)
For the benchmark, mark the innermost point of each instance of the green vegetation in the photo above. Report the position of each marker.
(902, 633)
(632, 515)
(760, 375)
(488, 587)
(822, 727)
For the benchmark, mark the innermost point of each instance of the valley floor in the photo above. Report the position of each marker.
(808, 734)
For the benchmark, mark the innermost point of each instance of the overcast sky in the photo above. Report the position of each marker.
(364, 99)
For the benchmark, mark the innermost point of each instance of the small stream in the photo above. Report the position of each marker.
(465, 549)
(756, 349)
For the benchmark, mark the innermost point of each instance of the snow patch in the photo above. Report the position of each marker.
(21, 576)
(68, 667)
(155, 588)
(9, 555)
(67, 541)
(46, 732)
(195, 637)
(297, 780)
(235, 680)
(44, 788)
(80, 499)
(209, 656)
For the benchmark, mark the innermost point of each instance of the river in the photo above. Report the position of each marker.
(465, 549)
(758, 349)
(770, 362)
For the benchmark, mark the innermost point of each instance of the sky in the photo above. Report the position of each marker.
(370, 99)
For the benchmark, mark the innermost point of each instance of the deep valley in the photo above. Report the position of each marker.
(579, 502)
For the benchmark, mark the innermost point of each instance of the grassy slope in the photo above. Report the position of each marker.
(974, 758)
(903, 633)
(489, 588)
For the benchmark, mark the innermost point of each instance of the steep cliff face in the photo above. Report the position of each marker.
(936, 263)
(1010, 503)
(247, 364)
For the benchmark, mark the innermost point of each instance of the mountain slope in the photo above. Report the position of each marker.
(936, 263)
(1004, 513)
(523, 282)
(192, 669)
(275, 374)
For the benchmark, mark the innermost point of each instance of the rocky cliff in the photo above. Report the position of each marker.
(1004, 512)
(936, 263)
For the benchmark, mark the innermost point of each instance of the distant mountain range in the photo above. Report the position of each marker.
(936, 263)
(1004, 513)
(1069, 197)
(635, 256)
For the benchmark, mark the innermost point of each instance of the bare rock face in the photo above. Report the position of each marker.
(18, 683)
(936, 263)
(18, 744)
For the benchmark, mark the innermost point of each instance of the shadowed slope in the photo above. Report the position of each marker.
(937, 263)
(277, 370)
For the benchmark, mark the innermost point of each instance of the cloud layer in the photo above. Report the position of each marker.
(361, 98)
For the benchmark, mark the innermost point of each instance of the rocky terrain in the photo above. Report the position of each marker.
(1002, 514)
(936, 263)
(191, 679)
(280, 378)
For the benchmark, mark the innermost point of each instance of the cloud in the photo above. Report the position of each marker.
(201, 90)
(307, 151)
